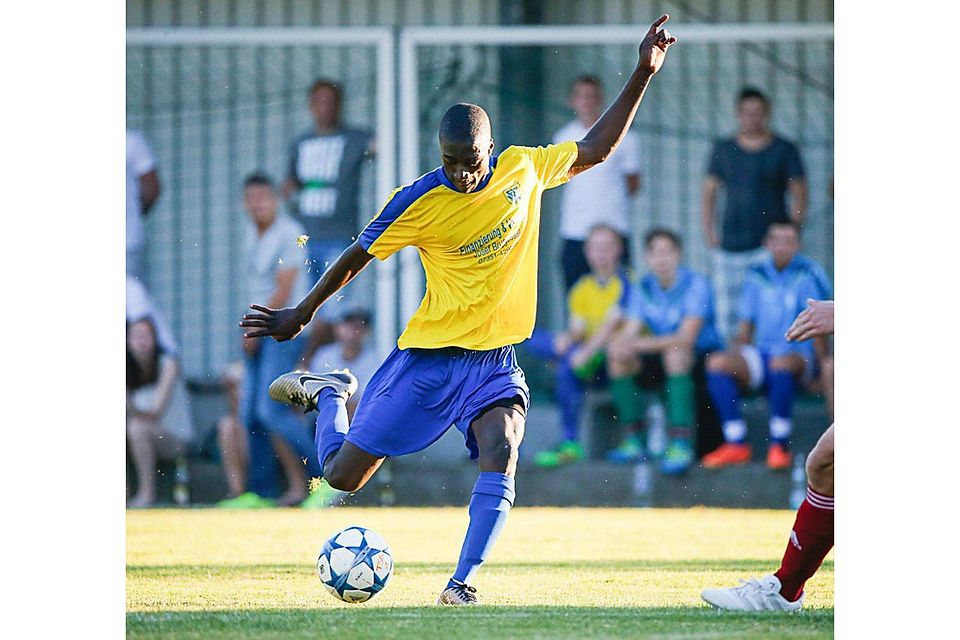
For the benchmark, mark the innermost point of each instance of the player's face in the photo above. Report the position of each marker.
(752, 115)
(663, 257)
(325, 107)
(466, 164)
(783, 244)
(603, 250)
(260, 201)
(140, 339)
(586, 100)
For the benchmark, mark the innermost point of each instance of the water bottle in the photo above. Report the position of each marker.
(181, 482)
(642, 489)
(798, 481)
(656, 430)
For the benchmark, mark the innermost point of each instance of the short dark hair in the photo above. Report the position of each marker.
(326, 83)
(464, 122)
(752, 93)
(663, 232)
(587, 79)
(258, 179)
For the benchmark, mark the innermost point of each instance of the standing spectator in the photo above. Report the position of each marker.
(579, 351)
(323, 179)
(143, 189)
(756, 169)
(159, 421)
(275, 273)
(668, 331)
(349, 351)
(601, 195)
(775, 291)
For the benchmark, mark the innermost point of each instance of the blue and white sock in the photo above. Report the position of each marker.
(490, 503)
(332, 424)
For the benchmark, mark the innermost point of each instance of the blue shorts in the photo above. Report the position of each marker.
(417, 394)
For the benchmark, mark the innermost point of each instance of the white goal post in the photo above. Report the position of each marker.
(383, 40)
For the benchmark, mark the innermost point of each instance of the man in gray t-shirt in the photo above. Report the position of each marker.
(323, 179)
(757, 171)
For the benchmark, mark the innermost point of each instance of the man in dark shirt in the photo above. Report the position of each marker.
(757, 169)
(323, 186)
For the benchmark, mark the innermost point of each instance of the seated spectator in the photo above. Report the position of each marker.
(579, 351)
(140, 305)
(774, 292)
(231, 434)
(159, 421)
(275, 434)
(668, 329)
(349, 351)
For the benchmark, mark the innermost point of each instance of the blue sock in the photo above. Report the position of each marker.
(570, 397)
(725, 395)
(332, 424)
(491, 501)
(780, 386)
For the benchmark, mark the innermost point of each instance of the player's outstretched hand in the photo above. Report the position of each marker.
(654, 47)
(280, 324)
(816, 320)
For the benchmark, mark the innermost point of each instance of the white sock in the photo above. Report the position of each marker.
(734, 430)
(780, 428)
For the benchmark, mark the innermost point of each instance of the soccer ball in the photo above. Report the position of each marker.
(355, 564)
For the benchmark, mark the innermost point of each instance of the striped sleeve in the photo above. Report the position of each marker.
(391, 230)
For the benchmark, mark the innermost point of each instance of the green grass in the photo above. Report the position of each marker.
(574, 573)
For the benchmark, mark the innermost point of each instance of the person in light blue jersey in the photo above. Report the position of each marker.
(775, 290)
(669, 327)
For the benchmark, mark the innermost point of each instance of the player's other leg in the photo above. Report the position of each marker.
(729, 373)
(810, 541)
(498, 432)
(681, 409)
(784, 373)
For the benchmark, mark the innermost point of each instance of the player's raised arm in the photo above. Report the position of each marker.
(601, 140)
(286, 324)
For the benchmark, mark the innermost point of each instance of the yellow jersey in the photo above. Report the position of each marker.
(478, 250)
(590, 299)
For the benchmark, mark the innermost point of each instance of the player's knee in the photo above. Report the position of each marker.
(820, 469)
(783, 363)
(678, 360)
(341, 478)
(501, 445)
(717, 362)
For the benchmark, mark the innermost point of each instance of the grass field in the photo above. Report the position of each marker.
(555, 573)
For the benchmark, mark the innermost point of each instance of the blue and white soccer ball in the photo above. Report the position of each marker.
(355, 564)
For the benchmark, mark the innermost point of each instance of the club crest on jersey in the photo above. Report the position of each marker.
(513, 194)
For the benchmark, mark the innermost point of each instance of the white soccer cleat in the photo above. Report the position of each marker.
(301, 388)
(752, 595)
(459, 594)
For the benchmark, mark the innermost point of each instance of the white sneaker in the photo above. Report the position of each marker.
(301, 388)
(752, 595)
(459, 594)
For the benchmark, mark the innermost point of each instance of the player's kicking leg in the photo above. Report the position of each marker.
(346, 467)
(498, 432)
(810, 541)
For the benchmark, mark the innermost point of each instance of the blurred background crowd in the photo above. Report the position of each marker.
(669, 273)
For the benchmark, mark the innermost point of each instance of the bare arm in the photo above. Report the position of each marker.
(149, 190)
(797, 188)
(169, 371)
(744, 333)
(685, 337)
(286, 324)
(600, 338)
(708, 208)
(814, 321)
(605, 135)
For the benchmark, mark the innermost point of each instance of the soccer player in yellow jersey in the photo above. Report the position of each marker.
(475, 222)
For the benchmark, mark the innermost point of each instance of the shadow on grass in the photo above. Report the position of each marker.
(747, 567)
(479, 622)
